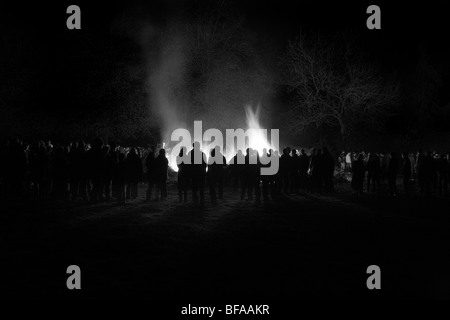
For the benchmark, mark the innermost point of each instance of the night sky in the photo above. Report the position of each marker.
(39, 45)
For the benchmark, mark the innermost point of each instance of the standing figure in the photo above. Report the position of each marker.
(183, 175)
(358, 171)
(391, 174)
(198, 173)
(406, 171)
(216, 165)
(161, 166)
(373, 172)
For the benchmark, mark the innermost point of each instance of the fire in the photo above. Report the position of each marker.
(257, 140)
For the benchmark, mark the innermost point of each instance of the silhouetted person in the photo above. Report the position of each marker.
(421, 174)
(161, 166)
(183, 175)
(391, 174)
(316, 170)
(294, 172)
(443, 172)
(358, 171)
(373, 172)
(284, 169)
(151, 172)
(249, 177)
(109, 157)
(406, 172)
(198, 172)
(40, 170)
(120, 176)
(267, 180)
(114, 157)
(303, 169)
(237, 170)
(95, 162)
(134, 173)
(216, 165)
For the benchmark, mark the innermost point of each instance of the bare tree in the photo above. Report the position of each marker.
(331, 84)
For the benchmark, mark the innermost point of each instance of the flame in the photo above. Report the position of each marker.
(257, 140)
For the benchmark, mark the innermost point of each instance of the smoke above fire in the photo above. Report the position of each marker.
(196, 73)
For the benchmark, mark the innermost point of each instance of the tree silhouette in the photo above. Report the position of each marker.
(331, 84)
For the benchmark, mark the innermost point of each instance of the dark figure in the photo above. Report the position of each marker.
(328, 170)
(267, 180)
(183, 175)
(294, 172)
(198, 173)
(373, 172)
(303, 169)
(316, 170)
(358, 171)
(161, 166)
(276, 184)
(251, 177)
(216, 165)
(421, 174)
(40, 170)
(391, 174)
(237, 169)
(285, 168)
(114, 161)
(406, 172)
(107, 172)
(134, 173)
(151, 172)
(443, 172)
(120, 177)
(95, 161)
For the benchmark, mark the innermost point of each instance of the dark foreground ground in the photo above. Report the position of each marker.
(298, 246)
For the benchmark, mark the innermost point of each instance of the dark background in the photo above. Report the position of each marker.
(59, 72)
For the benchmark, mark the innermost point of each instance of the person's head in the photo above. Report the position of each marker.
(294, 152)
(302, 151)
(162, 152)
(360, 157)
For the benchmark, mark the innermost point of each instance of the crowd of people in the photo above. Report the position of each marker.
(98, 172)
(430, 170)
